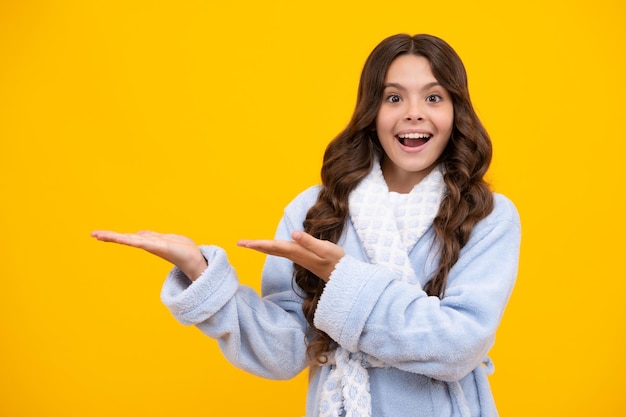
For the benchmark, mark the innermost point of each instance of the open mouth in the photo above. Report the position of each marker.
(413, 140)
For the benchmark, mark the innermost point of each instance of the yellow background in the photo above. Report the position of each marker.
(205, 118)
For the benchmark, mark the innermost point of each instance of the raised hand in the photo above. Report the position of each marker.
(179, 250)
(318, 256)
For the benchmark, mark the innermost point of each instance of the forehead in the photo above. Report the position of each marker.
(410, 69)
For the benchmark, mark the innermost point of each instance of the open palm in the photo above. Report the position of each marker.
(179, 250)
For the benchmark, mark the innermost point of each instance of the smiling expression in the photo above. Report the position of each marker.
(414, 122)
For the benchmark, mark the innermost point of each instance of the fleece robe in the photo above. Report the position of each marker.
(435, 349)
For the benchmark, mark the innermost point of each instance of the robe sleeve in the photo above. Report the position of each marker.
(364, 307)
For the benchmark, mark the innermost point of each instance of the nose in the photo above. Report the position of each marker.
(414, 113)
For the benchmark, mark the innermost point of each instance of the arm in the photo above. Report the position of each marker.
(262, 335)
(365, 308)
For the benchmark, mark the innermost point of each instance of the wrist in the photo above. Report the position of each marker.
(194, 269)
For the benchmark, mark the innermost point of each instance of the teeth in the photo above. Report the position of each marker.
(414, 136)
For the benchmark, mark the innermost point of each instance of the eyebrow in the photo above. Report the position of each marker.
(400, 87)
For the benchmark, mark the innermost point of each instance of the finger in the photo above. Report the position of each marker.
(147, 233)
(154, 237)
(283, 248)
(317, 246)
(305, 239)
(270, 247)
(133, 240)
(292, 251)
(104, 235)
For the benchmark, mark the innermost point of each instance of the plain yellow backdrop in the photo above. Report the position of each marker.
(205, 118)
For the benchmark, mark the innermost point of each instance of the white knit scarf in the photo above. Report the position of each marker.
(347, 387)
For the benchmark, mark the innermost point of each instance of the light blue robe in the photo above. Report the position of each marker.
(436, 349)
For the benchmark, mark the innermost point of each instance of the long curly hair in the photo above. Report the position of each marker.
(349, 157)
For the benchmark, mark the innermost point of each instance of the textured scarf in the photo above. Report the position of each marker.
(347, 387)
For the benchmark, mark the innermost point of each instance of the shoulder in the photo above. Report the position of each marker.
(503, 211)
(300, 205)
(494, 243)
(502, 223)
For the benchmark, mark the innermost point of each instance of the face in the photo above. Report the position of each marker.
(414, 122)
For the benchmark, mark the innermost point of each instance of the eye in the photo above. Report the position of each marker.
(393, 98)
(434, 98)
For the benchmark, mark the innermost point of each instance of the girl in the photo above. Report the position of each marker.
(390, 279)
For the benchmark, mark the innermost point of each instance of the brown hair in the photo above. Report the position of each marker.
(349, 157)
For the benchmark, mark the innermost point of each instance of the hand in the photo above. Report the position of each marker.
(179, 250)
(318, 256)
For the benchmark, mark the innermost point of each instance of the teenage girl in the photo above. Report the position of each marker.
(390, 279)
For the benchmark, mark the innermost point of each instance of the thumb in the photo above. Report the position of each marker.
(304, 239)
(316, 246)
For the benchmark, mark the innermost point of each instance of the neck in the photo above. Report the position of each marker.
(401, 181)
